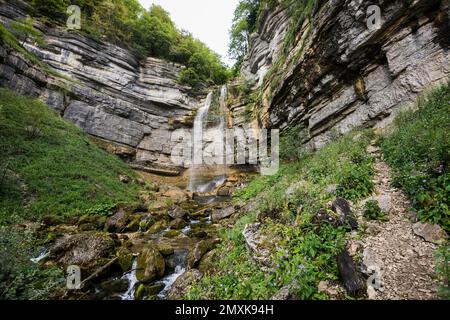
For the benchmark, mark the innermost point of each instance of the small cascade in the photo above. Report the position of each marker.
(132, 280)
(41, 256)
(180, 261)
(205, 178)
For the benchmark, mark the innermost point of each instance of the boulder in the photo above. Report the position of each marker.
(157, 227)
(176, 195)
(200, 249)
(175, 212)
(258, 244)
(178, 224)
(182, 284)
(86, 250)
(150, 265)
(118, 222)
(223, 213)
(224, 192)
(286, 293)
(430, 232)
(165, 249)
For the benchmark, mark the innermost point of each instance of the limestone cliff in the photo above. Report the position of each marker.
(104, 89)
(339, 74)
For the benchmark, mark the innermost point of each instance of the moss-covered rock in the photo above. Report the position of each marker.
(165, 249)
(150, 265)
(172, 234)
(125, 258)
(157, 227)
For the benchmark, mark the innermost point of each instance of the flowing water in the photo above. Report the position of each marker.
(204, 178)
(132, 282)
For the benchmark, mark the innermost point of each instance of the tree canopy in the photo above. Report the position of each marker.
(150, 32)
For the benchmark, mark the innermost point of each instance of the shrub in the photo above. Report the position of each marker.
(443, 271)
(372, 211)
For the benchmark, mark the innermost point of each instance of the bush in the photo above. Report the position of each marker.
(419, 152)
(372, 211)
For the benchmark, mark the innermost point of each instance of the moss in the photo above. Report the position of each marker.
(125, 259)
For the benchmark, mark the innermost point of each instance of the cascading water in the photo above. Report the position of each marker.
(132, 282)
(205, 178)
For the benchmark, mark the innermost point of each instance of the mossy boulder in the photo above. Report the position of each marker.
(114, 286)
(157, 227)
(172, 234)
(150, 265)
(178, 224)
(134, 224)
(165, 249)
(125, 258)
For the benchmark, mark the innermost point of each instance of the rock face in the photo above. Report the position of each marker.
(133, 105)
(340, 75)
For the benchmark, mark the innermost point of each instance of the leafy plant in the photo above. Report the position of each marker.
(442, 256)
(372, 211)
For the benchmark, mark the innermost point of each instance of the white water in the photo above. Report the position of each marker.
(132, 280)
(169, 280)
(197, 182)
(41, 256)
(197, 139)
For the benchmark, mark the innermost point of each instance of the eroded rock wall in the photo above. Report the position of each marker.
(131, 105)
(341, 75)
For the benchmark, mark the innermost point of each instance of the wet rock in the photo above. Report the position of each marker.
(178, 224)
(85, 250)
(154, 289)
(150, 265)
(125, 258)
(134, 224)
(200, 249)
(165, 249)
(183, 283)
(223, 213)
(172, 234)
(157, 227)
(430, 232)
(118, 221)
(175, 212)
(224, 192)
(114, 286)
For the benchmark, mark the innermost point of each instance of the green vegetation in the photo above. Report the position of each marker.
(148, 32)
(419, 152)
(19, 277)
(303, 253)
(443, 271)
(50, 167)
(372, 211)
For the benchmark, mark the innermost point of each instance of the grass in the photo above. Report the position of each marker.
(419, 152)
(304, 253)
(50, 167)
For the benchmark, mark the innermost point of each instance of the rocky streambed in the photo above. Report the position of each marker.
(148, 251)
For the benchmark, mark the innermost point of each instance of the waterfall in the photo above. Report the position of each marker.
(206, 178)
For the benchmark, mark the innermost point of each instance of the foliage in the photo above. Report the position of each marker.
(443, 271)
(54, 168)
(372, 211)
(419, 152)
(292, 146)
(19, 277)
(148, 32)
(244, 23)
(303, 254)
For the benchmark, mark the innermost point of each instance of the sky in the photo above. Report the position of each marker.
(208, 20)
